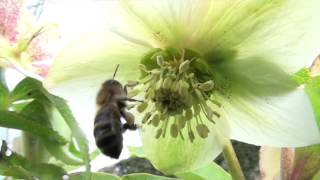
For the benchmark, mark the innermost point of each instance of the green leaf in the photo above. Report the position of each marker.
(80, 137)
(32, 89)
(307, 161)
(29, 88)
(18, 172)
(4, 92)
(41, 112)
(317, 176)
(212, 171)
(94, 154)
(94, 176)
(63, 154)
(14, 120)
(302, 76)
(19, 167)
(313, 91)
(136, 151)
(144, 176)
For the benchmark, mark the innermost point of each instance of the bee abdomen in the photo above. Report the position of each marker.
(107, 132)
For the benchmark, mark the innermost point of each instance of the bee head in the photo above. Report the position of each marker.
(109, 89)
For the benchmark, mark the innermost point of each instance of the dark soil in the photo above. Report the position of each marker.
(132, 165)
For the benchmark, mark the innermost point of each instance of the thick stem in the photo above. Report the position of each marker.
(233, 163)
(286, 163)
(33, 149)
(2, 78)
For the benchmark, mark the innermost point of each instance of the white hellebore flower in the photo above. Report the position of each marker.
(209, 71)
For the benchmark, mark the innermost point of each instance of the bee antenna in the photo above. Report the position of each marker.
(115, 72)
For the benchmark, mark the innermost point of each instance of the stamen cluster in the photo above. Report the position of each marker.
(175, 95)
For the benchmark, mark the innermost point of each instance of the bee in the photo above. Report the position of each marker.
(108, 128)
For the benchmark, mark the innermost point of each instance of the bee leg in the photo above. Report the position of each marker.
(130, 127)
(130, 84)
(130, 120)
(124, 98)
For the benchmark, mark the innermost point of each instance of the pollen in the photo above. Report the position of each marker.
(177, 93)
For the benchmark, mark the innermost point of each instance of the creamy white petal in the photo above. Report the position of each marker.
(92, 59)
(283, 32)
(269, 163)
(280, 121)
(177, 155)
(177, 23)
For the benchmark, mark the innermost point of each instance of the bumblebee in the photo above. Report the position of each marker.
(112, 106)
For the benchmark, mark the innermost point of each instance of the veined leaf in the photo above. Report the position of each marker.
(41, 112)
(18, 172)
(145, 176)
(32, 89)
(19, 167)
(63, 154)
(28, 88)
(313, 91)
(14, 120)
(212, 171)
(80, 138)
(94, 176)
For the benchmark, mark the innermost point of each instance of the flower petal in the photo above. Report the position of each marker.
(176, 155)
(9, 17)
(283, 32)
(269, 163)
(281, 121)
(176, 23)
(92, 59)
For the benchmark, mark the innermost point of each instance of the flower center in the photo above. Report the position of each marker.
(177, 87)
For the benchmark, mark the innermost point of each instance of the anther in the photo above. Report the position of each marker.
(176, 95)
(146, 117)
(184, 66)
(174, 130)
(143, 68)
(202, 130)
(206, 86)
(155, 120)
(160, 61)
(141, 107)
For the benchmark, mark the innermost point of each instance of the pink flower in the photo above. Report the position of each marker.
(9, 15)
(25, 44)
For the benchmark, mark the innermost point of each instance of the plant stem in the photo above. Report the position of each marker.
(2, 78)
(33, 149)
(233, 163)
(286, 162)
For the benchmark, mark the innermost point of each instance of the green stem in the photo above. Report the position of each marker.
(33, 149)
(233, 163)
(2, 79)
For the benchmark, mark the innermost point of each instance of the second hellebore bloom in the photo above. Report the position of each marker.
(208, 71)
(24, 44)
